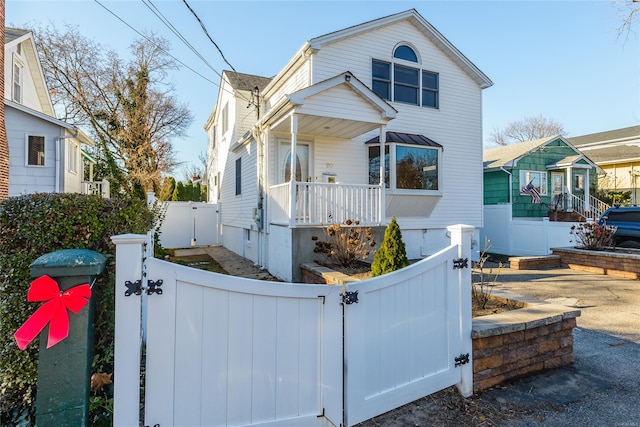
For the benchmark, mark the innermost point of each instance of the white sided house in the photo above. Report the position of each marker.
(393, 85)
(45, 154)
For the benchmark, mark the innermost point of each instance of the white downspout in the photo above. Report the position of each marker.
(383, 139)
(58, 150)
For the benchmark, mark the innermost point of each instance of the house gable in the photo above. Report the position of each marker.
(20, 49)
(428, 30)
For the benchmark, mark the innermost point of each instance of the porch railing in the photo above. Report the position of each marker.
(100, 188)
(320, 203)
(593, 211)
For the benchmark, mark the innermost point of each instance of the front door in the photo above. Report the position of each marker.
(285, 163)
(557, 189)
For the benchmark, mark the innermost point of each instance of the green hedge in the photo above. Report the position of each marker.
(31, 226)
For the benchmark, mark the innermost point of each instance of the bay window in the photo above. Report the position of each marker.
(407, 167)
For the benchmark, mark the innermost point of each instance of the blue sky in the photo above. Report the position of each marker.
(562, 59)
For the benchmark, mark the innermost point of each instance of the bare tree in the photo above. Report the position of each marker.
(629, 13)
(192, 170)
(527, 129)
(128, 107)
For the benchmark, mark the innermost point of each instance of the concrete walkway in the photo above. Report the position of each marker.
(233, 263)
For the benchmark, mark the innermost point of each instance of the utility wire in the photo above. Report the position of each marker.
(149, 40)
(175, 31)
(251, 101)
(207, 34)
(168, 24)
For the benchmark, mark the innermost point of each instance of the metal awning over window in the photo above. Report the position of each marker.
(406, 138)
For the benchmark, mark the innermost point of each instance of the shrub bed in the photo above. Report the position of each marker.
(31, 226)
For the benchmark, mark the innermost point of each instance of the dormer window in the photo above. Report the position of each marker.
(399, 81)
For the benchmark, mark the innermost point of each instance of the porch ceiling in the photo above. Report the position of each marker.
(326, 126)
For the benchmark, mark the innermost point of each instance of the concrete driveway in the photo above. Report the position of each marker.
(602, 388)
(608, 304)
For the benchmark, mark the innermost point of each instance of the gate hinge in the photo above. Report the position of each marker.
(350, 297)
(137, 288)
(460, 263)
(463, 359)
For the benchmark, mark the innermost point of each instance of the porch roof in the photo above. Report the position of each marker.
(339, 107)
(571, 161)
(406, 138)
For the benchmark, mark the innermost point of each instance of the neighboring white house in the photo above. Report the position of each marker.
(394, 81)
(45, 154)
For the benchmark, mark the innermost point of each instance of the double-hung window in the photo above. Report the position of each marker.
(537, 178)
(16, 87)
(402, 79)
(35, 150)
(238, 176)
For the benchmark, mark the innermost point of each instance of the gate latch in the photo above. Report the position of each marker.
(350, 297)
(460, 263)
(154, 287)
(137, 288)
(463, 359)
(133, 288)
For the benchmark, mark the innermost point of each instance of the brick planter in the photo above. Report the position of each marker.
(624, 263)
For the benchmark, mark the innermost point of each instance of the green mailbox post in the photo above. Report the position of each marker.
(64, 369)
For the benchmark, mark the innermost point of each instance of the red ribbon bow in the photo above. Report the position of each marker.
(54, 310)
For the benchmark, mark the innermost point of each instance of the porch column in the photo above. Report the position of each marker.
(569, 189)
(383, 140)
(292, 178)
(587, 204)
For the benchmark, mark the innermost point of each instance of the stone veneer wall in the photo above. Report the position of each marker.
(624, 264)
(521, 342)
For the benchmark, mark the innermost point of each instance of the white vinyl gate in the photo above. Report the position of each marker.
(188, 224)
(224, 350)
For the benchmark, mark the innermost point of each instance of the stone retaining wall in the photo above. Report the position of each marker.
(521, 342)
(313, 273)
(534, 262)
(624, 264)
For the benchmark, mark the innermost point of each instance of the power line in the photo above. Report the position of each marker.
(204, 29)
(178, 34)
(149, 40)
(207, 34)
(175, 31)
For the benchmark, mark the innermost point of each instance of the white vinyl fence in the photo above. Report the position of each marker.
(522, 236)
(223, 350)
(188, 224)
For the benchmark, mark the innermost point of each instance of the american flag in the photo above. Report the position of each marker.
(531, 190)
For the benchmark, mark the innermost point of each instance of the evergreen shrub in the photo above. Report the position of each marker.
(392, 254)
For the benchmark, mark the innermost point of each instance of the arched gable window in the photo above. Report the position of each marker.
(395, 81)
(406, 53)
